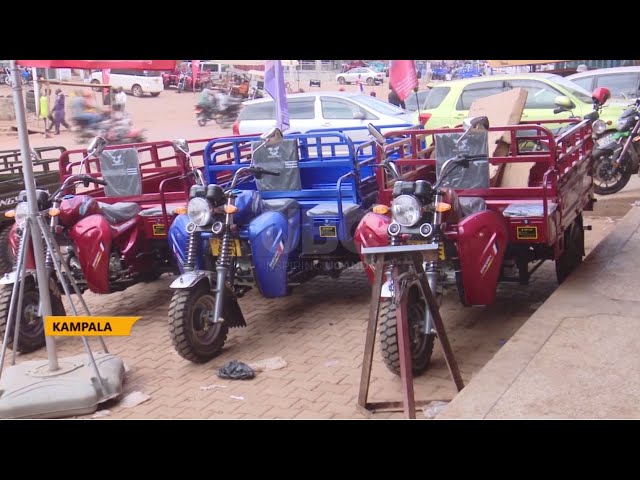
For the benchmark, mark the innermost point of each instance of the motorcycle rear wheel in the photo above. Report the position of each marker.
(202, 120)
(193, 336)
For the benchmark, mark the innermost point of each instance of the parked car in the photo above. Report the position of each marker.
(368, 75)
(136, 82)
(414, 100)
(321, 110)
(623, 82)
(448, 103)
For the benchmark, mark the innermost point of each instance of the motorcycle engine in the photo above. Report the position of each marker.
(115, 266)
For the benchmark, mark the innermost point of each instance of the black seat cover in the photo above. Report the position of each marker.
(119, 212)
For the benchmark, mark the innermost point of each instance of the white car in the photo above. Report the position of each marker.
(322, 110)
(367, 75)
(623, 82)
(136, 82)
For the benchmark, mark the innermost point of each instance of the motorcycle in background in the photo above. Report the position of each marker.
(616, 154)
(225, 111)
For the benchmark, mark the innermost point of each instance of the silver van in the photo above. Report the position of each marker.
(623, 82)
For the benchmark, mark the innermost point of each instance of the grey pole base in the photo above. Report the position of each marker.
(31, 390)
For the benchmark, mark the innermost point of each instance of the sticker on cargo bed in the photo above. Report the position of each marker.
(527, 233)
(328, 231)
(159, 229)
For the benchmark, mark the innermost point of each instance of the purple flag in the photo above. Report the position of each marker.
(274, 85)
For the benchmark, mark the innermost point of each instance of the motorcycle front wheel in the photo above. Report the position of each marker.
(193, 336)
(421, 343)
(606, 180)
(202, 120)
(31, 336)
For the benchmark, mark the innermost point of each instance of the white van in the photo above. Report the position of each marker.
(136, 82)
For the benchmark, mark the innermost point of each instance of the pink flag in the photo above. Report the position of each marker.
(195, 67)
(403, 77)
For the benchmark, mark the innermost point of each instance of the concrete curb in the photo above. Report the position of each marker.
(599, 288)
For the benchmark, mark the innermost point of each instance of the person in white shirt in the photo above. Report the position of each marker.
(120, 100)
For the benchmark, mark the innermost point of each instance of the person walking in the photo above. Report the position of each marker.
(359, 84)
(44, 111)
(58, 113)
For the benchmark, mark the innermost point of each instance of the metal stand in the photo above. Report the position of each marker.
(378, 258)
(71, 386)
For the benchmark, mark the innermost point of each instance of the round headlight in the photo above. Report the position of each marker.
(406, 210)
(599, 127)
(22, 210)
(199, 211)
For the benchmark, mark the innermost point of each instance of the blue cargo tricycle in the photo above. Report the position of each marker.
(273, 213)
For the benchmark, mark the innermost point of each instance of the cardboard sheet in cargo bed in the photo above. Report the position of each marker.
(503, 109)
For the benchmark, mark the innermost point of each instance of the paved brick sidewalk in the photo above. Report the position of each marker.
(319, 331)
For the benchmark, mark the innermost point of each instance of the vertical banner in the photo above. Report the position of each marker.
(403, 77)
(274, 86)
(195, 69)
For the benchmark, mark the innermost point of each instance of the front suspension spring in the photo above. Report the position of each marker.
(192, 251)
(224, 260)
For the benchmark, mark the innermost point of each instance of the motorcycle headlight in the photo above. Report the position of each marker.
(199, 211)
(599, 127)
(22, 210)
(406, 210)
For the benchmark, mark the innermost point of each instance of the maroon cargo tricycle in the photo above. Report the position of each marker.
(449, 223)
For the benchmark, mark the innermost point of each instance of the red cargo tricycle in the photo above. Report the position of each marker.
(455, 225)
(112, 236)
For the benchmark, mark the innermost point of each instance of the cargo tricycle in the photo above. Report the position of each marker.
(113, 235)
(276, 212)
(461, 229)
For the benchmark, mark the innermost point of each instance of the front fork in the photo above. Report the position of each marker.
(432, 268)
(224, 260)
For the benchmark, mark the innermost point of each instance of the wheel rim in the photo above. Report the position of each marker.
(370, 81)
(203, 330)
(604, 176)
(137, 91)
(341, 81)
(31, 324)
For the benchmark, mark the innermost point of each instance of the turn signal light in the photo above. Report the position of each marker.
(10, 213)
(442, 207)
(54, 212)
(180, 210)
(230, 209)
(381, 209)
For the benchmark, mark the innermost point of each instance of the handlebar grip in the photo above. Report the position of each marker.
(99, 182)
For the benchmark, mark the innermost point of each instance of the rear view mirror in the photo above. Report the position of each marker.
(564, 102)
(393, 168)
(272, 136)
(473, 123)
(376, 134)
(180, 145)
(96, 146)
(358, 116)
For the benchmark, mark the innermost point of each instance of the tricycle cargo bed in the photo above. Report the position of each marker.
(44, 161)
(556, 186)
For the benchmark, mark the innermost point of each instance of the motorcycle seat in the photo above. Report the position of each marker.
(119, 212)
(287, 206)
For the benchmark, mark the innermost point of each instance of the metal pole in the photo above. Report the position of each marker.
(36, 235)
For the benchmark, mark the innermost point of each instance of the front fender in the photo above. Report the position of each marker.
(10, 278)
(371, 232)
(191, 279)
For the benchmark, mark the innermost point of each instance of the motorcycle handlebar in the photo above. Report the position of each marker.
(262, 171)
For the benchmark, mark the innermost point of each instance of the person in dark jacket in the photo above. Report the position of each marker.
(395, 99)
(58, 113)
